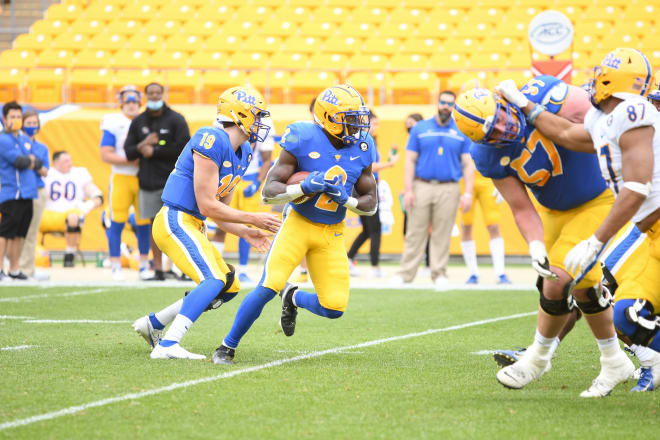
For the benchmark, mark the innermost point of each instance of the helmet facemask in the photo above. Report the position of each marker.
(355, 125)
(514, 125)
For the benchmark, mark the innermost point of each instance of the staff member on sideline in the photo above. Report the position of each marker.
(156, 137)
(437, 156)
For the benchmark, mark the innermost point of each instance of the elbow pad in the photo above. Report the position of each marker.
(22, 162)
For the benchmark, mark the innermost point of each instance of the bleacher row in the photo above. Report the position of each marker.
(83, 50)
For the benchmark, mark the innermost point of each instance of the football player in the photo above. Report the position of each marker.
(622, 129)
(573, 196)
(654, 96)
(337, 152)
(123, 190)
(208, 169)
(71, 196)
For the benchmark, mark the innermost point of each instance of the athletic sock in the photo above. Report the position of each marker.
(469, 249)
(143, 234)
(554, 346)
(497, 254)
(155, 322)
(114, 238)
(166, 315)
(70, 250)
(609, 347)
(179, 327)
(646, 356)
(310, 301)
(243, 252)
(539, 352)
(247, 313)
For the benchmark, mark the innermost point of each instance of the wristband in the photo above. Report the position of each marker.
(468, 195)
(536, 111)
(643, 189)
(351, 203)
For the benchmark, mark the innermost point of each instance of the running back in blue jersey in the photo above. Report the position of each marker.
(559, 178)
(314, 152)
(213, 143)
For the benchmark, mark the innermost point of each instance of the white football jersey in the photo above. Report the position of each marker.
(66, 191)
(118, 124)
(606, 129)
(267, 145)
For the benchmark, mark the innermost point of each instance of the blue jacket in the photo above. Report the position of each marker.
(14, 183)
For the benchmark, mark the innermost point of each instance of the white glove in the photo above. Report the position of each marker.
(510, 92)
(540, 261)
(498, 197)
(583, 255)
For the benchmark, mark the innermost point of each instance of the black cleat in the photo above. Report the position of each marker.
(20, 276)
(159, 275)
(68, 260)
(289, 311)
(224, 355)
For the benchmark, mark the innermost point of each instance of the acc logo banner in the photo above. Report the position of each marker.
(244, 97)
(330, 97)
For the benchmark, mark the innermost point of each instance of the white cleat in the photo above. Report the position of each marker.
(519, 374)
(144, 328)
(611, 374)
(145, 274)
(118, 275)
(175, 351)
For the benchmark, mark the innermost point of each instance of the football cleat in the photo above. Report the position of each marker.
(175, 351)
(144, 328)
(611, 374)
(224, 355)
(504, 358)
(289, 310)
(352, 268)
(244, 278)
(503, 279)
(519, 374)
(648, 381)
(472, 280)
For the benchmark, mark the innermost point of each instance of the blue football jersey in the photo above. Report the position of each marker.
(559, 178)
(314, 152)
(213, 143)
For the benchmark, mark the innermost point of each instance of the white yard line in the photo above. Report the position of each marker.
(15, 317)
(483, 352)
(53, 295)
(17, 347)
(73, 321)
(177, 385)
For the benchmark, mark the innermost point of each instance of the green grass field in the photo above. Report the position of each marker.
(375, 373)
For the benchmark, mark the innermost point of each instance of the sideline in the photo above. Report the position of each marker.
(177, 385)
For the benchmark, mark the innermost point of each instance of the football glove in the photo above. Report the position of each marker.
(583, 255)
(510, 92)
(540, 261)
(251, 189)
(337, 193)
(313, 183)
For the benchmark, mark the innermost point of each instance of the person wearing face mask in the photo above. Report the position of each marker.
(437, 156)
(31, 126)
(19, 186)
(156, 137)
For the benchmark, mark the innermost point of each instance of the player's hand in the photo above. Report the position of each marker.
(313, 183)
(466, 202)
(498, 196)
(251, 189)
(258, 239)
(584, 254)
(540, 261)
(337, 193)
(408, 200)
(266, 221)
(510, 92)
(152, 139)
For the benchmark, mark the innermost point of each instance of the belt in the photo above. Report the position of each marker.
(434, 180)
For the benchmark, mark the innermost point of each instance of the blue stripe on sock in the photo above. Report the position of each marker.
(155, 323)
(247, 313)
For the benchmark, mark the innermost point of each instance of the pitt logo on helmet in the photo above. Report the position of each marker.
(243, 106)
(623, 73)
(329, 97)
(242, 96)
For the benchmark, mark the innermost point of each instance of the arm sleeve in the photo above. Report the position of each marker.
(181, 138)
(131, 143)
(108, 139)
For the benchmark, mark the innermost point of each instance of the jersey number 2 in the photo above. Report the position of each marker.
(325, 203)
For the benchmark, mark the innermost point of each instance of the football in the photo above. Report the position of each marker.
(295, 178)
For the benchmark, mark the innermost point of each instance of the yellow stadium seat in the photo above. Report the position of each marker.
(138, 78)
(90, 85)
(66, 12)
(182, 86)
(262, 43)
(216, 82)
(45, 86)
(435, 29)
(573, 12)
(306, 85)
(643, 10)
(144, 42)
(142, 11)
(281, 29)
(242, 28)
(321, 29)
(520, 77)
(200, 27)
(396, 29)
(512, 27)
(408, 15)
(603, 12)
(103, 10)
(389, 4)
(487, 60)
(87, 27)
(166, 59)
(185, 43)
(382, 45)
(301, 45)
(594, 28)
(506, 44)
(12, 82)
(32, 41)
(209, 60)
(17, 58)
(254, 13)
(162, 27)
(581, 76)
(474, 29)
(400, 61)
(346, 45)
(369, 15)
(462, 81)
(448, 61)
(374, 62)
(92, 58)
(525, 13)
(324, 60)
(216, 12)
(308, 3)
(299, 14)
(124, 27)
(289, 61)
(48, 27)
(180, 11)
(487, 14)
(420, 45)
(249, 60)
(55, 58)
(357, 29)
(108, 41)
(650, 42)
(518, 59)
(641, 28)
(413, 87)
(371, 85)
(331, 14)
(273, 84)
(619, 39)
(445, 14)
(269, 3)
(458, 45)
(70, 41)
(130, 59)
(422, 4)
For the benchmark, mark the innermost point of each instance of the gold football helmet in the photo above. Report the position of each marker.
(341, 111)
(244, 106)
(623, 73)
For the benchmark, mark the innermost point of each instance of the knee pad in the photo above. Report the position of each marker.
(223, 296)
(609, 281)
(634, 318)
(598, 301)
(554, 307)
(73, 229)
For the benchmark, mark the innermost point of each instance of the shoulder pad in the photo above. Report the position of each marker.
(629, 114)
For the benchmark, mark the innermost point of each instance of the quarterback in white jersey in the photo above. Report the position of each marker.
(623, 131)
(71, 196)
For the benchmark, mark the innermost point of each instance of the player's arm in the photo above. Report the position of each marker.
(266, 162)
(275, 190)
(408, 177)
(468, 181)
(205, 176)
(366, 202)
(637, 171)
(258, 239)
(94, 198)
(528, 221)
